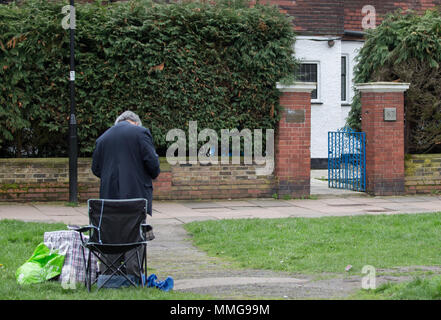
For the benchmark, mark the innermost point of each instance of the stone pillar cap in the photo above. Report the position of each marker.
(382, 86)
(297, 87)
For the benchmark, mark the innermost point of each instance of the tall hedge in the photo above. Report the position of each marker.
(170, 63)
(406, 47)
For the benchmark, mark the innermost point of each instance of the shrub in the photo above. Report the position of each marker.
(170, 63)
(407, 48)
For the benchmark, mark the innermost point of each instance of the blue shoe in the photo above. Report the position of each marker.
(165, 285)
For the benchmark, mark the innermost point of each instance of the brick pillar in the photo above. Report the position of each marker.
(382, 119)
(293, 141)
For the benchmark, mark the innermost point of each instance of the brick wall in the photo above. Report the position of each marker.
(384, 136)
(213, 182)
(293, 142)
(47, 180)
(44, 180)
(423, 173)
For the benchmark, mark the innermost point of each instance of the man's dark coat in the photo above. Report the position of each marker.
(126, 161)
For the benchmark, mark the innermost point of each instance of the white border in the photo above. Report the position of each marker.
(297, 87)
(382, 87)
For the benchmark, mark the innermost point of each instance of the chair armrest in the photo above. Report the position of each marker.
(81, 229)
(147, 230)
(146, 227)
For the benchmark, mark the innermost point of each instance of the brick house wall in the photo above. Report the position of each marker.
(333, 17)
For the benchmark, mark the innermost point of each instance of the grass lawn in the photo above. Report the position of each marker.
(310, 246)
(18, 241)
(322, 245)
(316, 246)
(417, 289)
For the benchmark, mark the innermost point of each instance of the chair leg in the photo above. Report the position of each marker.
(139, 261)
(85, 266)
(145, 262)
(88, 273)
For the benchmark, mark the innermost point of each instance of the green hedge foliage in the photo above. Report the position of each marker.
(406, 47)
(170, 63)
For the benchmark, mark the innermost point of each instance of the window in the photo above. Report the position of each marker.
(344, 78)
(308, 72)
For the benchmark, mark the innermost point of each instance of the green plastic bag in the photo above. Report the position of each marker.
(42, 266)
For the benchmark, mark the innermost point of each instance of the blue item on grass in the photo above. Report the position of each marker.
(165, 285)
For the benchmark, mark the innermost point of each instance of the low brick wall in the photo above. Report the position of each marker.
(423, 174)
(213, 182)
(47, 180)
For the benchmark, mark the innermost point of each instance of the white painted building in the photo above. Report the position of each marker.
(329, 61)
(329, 32)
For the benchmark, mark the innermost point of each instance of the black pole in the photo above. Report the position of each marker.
(73, 168)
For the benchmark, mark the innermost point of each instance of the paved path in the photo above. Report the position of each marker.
(180, 212)
(172, 254)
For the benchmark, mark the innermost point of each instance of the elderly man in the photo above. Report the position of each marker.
(125, 160)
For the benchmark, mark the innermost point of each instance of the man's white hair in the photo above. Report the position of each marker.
(129, 115)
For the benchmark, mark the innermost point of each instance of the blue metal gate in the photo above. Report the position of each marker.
(347, 160)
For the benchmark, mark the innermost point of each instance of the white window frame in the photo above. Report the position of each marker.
(318, 84)
(348, 79)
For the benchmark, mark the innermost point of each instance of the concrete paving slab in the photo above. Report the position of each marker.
(426, 205)
(339, 202)
(21, 212)
(369, 200)
(56, 211)
(171, 207)
(245, 208)
(271, 203)
(320, 188)
(201, 205)
(296, 210)
(196, 218)
(247, 211)
(210, 210)
(74, 220)
(405, 199)
(305, 203)
(176, 214)
(82, 210)
(162, 221)
(236, 203)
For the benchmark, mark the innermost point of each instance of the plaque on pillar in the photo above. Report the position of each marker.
(295, 116)
(390, 114)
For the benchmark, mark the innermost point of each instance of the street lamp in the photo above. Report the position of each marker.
(73, 148)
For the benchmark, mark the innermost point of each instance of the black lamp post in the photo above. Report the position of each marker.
(73, 148)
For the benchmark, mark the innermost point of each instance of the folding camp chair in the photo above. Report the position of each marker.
(116, 227)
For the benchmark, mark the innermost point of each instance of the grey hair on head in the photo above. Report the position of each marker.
(129, 115)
